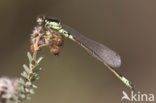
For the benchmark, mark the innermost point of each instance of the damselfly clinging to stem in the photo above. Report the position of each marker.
(101, 52)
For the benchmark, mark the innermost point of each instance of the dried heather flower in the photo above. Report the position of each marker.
(54, 49)
(32, 48)
(7, 89)
(57, 40)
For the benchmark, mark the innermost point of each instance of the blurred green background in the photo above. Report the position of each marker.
(126, 26)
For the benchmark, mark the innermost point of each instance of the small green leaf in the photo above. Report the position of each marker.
(36, 66)
(31, 91)
(26, 68)
(35, 77)
(39, 59)
(37, 70)
(27, 90)
(28, 83)
(21, 81)
(27, 96)
(34, 86)
(29, 57)
(21, 88)
(24, 74)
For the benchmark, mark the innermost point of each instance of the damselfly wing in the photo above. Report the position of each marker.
(98, 50)
(101, 52)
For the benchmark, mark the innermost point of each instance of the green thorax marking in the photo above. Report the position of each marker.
(53, 25)
(57, 26)
(66, 34)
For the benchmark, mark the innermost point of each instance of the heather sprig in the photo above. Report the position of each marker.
(31, 71)
(17, 90)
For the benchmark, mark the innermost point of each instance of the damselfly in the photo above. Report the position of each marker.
(101, 52)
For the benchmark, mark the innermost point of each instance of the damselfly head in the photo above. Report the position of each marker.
(53, 23)
(40, 19)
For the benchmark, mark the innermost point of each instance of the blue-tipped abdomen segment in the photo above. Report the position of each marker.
(128, 83)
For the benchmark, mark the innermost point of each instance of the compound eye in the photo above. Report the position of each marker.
(54, 20)
(40, 19)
